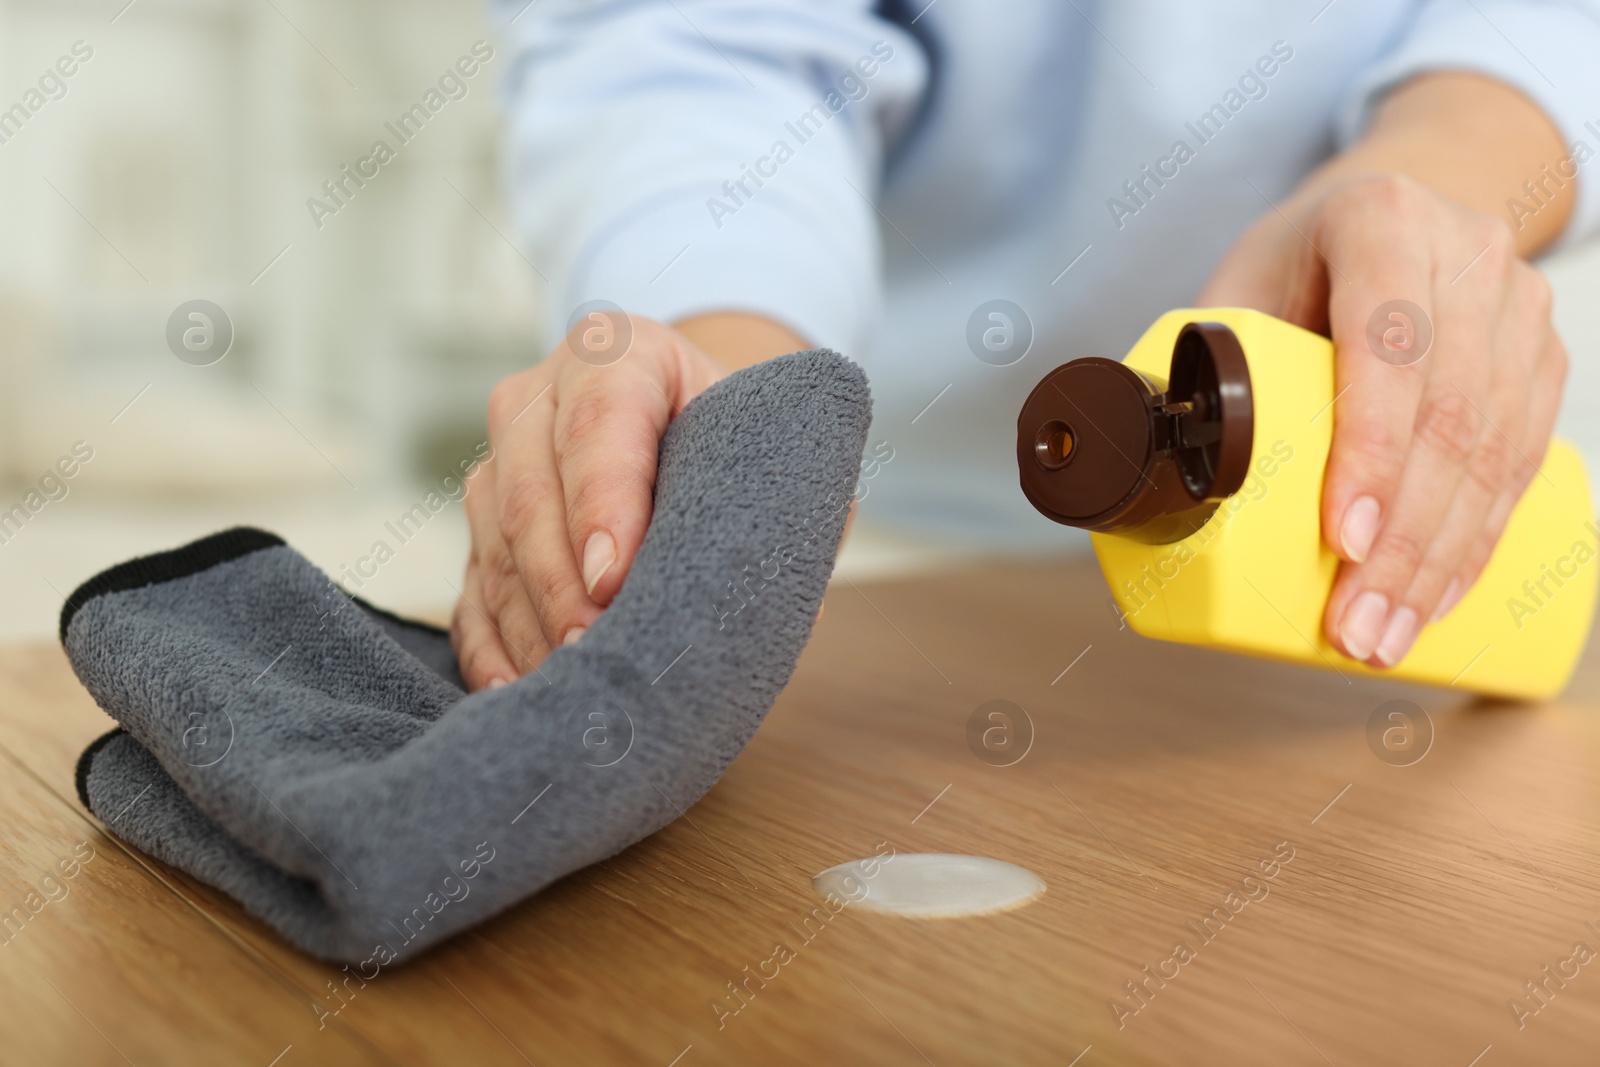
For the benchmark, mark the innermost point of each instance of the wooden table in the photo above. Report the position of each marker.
(1418, 901)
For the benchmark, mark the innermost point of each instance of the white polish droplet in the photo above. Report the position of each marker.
(931, 885)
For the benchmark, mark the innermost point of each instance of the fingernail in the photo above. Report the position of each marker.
(1452, 593)
(1398, 637)
(1360, 528)
(496, 683)
(599, 553)
(1362, 623)
(573, 634)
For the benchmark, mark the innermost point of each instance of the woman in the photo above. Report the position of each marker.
(703, 184)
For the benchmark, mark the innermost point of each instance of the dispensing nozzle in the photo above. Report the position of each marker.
(1105, 448)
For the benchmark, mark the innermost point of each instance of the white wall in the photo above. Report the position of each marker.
(178, 165)
(1575, 275)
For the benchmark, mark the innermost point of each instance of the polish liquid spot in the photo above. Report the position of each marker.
(931, 885)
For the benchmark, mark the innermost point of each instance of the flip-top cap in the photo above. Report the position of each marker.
(1103, 447)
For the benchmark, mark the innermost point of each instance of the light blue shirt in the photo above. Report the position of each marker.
(874, 175)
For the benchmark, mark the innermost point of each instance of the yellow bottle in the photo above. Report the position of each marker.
(1197, 464)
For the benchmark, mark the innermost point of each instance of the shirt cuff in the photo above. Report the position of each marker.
(1545, 51)
(681, 255)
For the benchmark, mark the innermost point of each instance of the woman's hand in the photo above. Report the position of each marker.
(558, 512)
(1431, 447)
(560, 508)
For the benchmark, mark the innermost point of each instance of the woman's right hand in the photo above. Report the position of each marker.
(559, 509)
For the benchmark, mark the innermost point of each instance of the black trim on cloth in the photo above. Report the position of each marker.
(192, 558)
(415, 624)
(81, 775)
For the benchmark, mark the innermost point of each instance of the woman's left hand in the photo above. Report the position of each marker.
(1433, 442)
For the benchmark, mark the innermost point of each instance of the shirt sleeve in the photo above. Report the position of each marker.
(1545, 49)
(675, 157)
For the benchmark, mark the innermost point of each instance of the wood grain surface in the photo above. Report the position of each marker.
(1336, 901)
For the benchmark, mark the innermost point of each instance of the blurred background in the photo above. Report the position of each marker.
(175, 164)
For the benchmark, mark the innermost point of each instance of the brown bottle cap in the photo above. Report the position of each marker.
(1103, 447)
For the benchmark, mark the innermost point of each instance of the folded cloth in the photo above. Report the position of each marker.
(317, 759)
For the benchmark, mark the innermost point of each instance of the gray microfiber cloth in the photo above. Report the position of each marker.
(317, 760)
